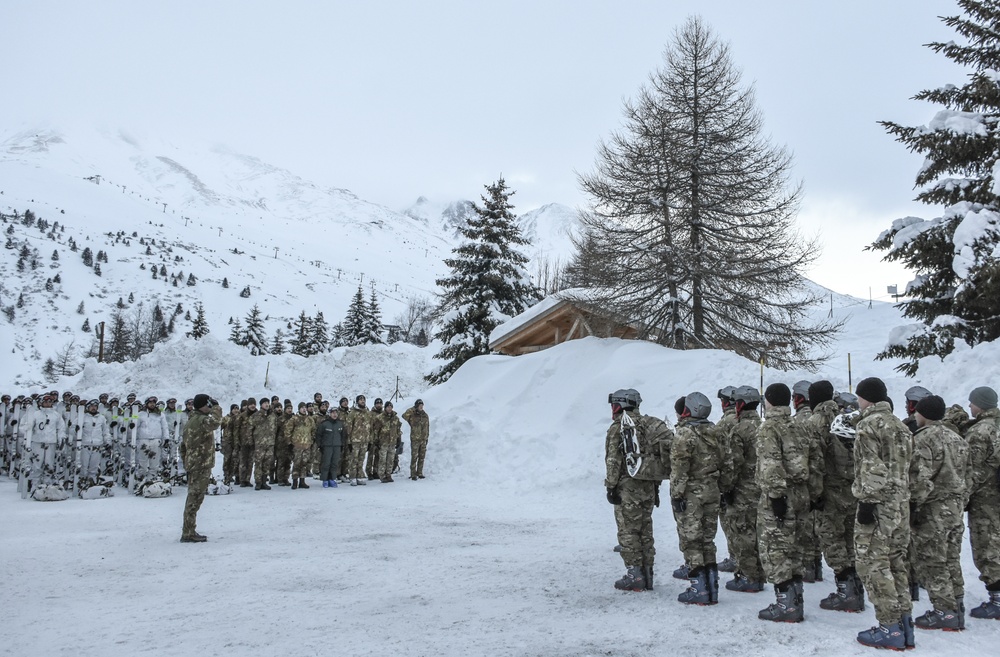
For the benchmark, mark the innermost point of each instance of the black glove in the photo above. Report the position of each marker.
(818, 504)
(680, 504)
(729, 497)
(866, 513)
(779, 505)
(131, 425)
(114, 424)
(614, 497)
(13, 422)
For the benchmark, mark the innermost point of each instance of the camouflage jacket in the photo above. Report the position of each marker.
(228, 427)
(198, 442)
(420, 423)
(743, 450)
(376, 425)
(983, 438)
(244, 429)
(802, 413)
(937, 469)
(263, 427)
(782, 453)
(359, 425)
(728, 420)
(390, 428)
(838, 458)
(301, 430)
(883, 449)
(697, 459)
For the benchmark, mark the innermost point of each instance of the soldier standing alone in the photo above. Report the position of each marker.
(420, 427)
(198, 452)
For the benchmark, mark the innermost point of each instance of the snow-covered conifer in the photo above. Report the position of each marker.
(487, 284)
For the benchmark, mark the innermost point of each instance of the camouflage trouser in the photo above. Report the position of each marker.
(197, 485)
(357, 468)
(418, 450)
(329, 462)
(742, 519)
(984, 533)
(386, 452)
(809, 548)
(147, 458)
(836, 526)
(635, 531)
(302, 461)
(371, 465)
(91, 459)
(43, 462)
(345, 461)
(246, 463)
(697, 524)
(780, 551)
(228, 459)
(282, 460)
(263, 458)
(936, 534)
(882, 563)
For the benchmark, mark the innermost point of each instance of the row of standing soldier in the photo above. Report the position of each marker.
(851, 485)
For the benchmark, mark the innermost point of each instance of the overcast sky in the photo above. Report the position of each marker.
(394, 100)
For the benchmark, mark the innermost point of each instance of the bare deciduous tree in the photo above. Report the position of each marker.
(690, 229)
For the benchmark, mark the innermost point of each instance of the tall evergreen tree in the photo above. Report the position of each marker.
(199, 328)
(88, 256)
(487, 284)
(236, 333)
(253, 337)
(955, 256)
(119, 339)
(374, 320)
(320, 337)
(356, 321)
(301, 340)
(278, 343)
(337, 336)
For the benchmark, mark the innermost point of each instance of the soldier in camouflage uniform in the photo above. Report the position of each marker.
(318, 412)
(783, 477)
(371, 463)
(883, 449)
(245, 443)
(198, 451)
(634, 497)
(229, 443)
(301, 435)
(420, 427)
(937, 503)
(389, 432)
(697, 470)
(742, 500)
(359, 427)
(837, 508)
(264, 427)
(812, 554)
(983, 437)
(283, 448)
(913, 395)
(725, 426)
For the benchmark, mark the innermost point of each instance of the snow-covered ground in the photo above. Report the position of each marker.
(505, 549)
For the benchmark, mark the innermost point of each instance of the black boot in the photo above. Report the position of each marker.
(295, 484)
(697, 592)
(302, 483)
(784, 609)
(849, 595)
(632, 581)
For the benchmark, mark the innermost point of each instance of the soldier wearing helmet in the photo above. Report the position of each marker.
(698, 475)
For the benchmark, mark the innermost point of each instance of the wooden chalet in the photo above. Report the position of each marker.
(554, 320)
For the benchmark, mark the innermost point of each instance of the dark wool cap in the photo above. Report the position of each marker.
(679, 405)
(201, 401)
(984, 397)
(265, 400)
(820, 392)
(931, 407)
(872, 389)
(778, 394)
